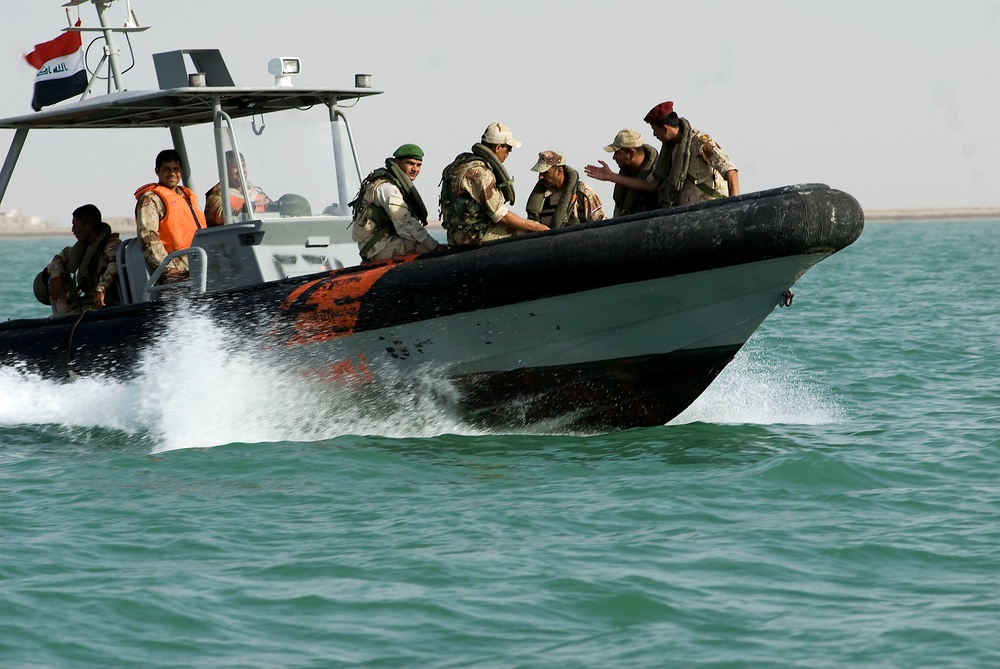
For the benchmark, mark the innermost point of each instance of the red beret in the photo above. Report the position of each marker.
(659, 112)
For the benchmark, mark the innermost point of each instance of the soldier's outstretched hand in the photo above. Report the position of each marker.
(602, 173)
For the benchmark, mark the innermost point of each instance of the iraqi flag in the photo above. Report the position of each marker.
(61, 72)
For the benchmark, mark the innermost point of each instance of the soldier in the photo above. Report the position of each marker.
(389, 214)
(691, 167)
(83, 276)
(559, 198)
(213, 198)
(167, 216)
(475, 188)
(634, 159)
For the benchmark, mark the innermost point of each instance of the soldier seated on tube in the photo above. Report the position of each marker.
(83, 276)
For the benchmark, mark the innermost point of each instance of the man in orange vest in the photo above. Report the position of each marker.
(214, 214)
(167, 216)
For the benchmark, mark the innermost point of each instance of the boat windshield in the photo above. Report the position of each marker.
(304, 163)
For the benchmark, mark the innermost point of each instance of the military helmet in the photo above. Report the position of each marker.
(41, 287)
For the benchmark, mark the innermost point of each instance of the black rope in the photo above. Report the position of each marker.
(69, 345)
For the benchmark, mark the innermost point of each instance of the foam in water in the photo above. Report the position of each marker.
(754, 389)
(216, 389)
(202, 386)
(87, 402)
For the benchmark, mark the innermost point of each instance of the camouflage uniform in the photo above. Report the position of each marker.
(707, 167)
(587, 207)
(473, 182)
(105, 271)
(149, 211)
(213, 202)
(631, 201)
(410, 235)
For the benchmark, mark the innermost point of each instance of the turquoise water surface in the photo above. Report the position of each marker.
(831, 501)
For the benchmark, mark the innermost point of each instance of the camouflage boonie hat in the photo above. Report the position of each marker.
(547, 159)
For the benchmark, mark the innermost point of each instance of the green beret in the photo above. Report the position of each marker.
(409, 151)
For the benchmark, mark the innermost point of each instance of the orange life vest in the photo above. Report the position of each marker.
(257, 197)
(183, 217)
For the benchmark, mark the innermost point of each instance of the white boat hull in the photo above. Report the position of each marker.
(689, 325)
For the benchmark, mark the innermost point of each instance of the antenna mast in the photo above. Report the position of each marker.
(110, 48)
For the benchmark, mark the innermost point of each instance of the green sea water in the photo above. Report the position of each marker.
(833, 500)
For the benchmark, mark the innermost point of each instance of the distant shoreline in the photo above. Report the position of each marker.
(55, 231)
(123, 225)
(943, 214)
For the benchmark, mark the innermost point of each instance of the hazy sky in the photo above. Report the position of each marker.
(893, 101)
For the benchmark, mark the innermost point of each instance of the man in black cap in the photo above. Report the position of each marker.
(389, 214)
(691, 167)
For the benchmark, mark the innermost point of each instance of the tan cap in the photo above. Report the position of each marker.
(547, 159)
(625, 139)
(498, 133)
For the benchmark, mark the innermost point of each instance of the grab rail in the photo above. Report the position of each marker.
(202, 274)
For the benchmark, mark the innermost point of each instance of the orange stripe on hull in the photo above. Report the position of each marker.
(328, 308)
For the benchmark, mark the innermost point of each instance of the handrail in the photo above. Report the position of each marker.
(123, 280)
(350, 139)
(336, 116)
(218, 119)
(202, 277)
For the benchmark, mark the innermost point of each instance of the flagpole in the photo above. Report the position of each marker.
(110, 49)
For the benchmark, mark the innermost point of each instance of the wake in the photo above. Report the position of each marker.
(204, 387)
